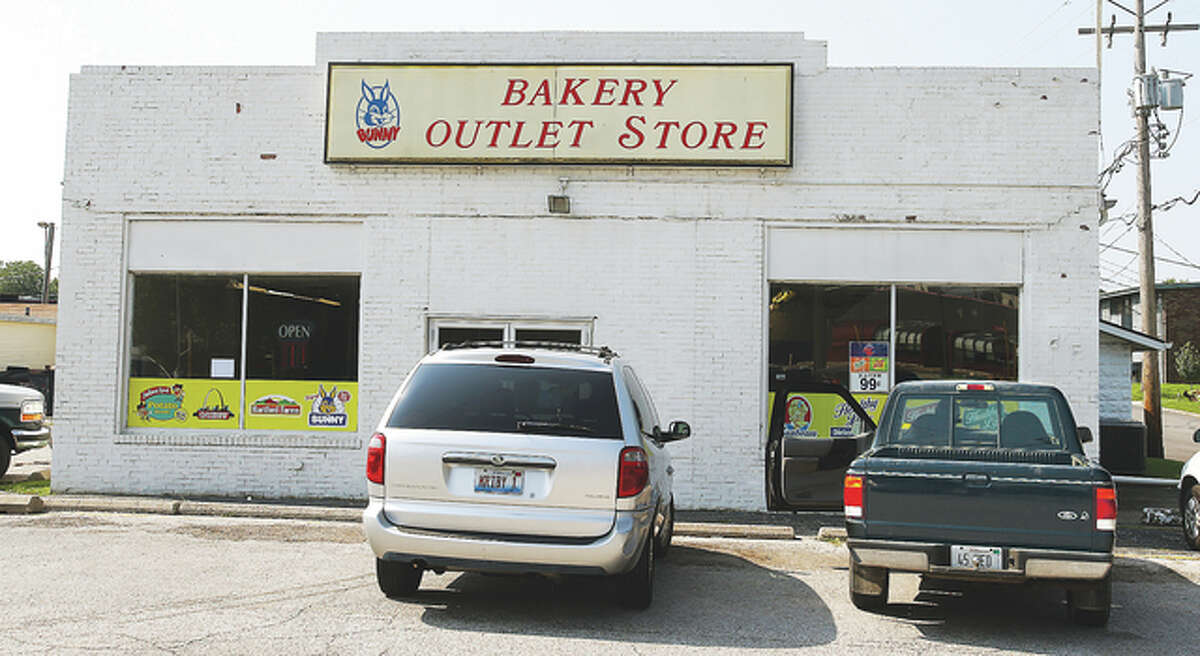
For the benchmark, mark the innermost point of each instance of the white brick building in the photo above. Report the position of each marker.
(931, 179)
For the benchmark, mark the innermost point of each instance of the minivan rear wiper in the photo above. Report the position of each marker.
(551, 427)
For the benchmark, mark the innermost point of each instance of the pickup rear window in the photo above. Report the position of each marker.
(1028, 422)
(506, 399)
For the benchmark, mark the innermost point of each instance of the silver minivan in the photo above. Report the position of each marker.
(520, 458)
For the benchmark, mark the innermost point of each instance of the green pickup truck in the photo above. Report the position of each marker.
(981, 481)
(22, 422)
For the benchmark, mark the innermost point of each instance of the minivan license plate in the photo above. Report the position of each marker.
(973, 557)
(500, 481)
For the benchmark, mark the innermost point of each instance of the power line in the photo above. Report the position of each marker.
(1160, 259)
(1172, 249)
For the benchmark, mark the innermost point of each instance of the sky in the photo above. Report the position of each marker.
(44, 42)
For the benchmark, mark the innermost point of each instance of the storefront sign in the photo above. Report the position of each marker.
(302, 405)
(184, 403)
(825, 415)
(869, 366)
(597, 114)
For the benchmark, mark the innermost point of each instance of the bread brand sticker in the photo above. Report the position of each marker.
(328, 408)
(377, 115)
(161, 403)
(215, 411)
(798, 417)
(275, 405)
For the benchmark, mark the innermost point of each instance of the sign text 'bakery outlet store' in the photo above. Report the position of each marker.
(660, 114)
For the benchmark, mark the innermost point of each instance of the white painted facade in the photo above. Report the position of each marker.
(983, 176)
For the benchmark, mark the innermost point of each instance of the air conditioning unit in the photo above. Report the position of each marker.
(1145, 92)
(1170, 93)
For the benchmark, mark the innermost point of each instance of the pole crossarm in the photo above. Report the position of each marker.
(1129, 29)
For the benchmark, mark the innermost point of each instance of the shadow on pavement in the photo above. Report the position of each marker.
(701, 598)
(1032, 617)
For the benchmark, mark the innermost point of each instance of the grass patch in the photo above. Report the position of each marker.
(38, 488)
(1162, 468)
(1172, 396)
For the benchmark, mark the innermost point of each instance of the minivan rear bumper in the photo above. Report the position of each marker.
(1022, 563)
(612, 553)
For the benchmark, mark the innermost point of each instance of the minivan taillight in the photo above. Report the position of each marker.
(1106, 509)
(852, 496)
(376, 449)
(633, 473)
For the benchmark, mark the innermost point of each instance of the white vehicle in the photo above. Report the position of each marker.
(521, 457)
(1189, 497)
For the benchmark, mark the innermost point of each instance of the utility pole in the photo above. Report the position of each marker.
(1151, 390)
(48, 230)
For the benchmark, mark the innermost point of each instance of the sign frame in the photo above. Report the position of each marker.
(789, 114)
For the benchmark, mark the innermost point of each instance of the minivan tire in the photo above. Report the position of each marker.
(1191, 516)
(397, 579)
(663, 544)
(635, 588)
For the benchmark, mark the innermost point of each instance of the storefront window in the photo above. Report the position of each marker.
(301, 352)
(956, 332)
(455, 330)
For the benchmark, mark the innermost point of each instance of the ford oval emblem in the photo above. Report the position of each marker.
(1068, 515)
(497, 460)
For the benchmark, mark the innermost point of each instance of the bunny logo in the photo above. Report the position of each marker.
(377, 115)
(328, 408)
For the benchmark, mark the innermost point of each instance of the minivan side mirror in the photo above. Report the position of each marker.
(1085, 434)
(676, 431)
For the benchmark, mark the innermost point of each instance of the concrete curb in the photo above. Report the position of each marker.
(750, 531)
(88, 503)
(20, 504)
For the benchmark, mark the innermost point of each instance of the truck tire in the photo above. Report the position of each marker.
(6, 446)
(635, 588)
(1191, 516)
(397, 579)
(1090, 605)
(868, 586)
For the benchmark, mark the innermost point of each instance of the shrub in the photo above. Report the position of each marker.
(1187, 362)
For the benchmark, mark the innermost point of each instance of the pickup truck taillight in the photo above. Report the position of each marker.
(1106, 509)
(634, 472)
(852, 496)
(376, 449)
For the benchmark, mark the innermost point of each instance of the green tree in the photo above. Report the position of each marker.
(1187, 362)
(21, 277)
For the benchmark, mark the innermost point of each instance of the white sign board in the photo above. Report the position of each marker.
(869, 365)
(719, 114)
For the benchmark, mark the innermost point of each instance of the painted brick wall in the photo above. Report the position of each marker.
(668, 260)
(1115, 395)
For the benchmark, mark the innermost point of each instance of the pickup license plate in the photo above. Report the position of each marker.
(978, 558)
(500, 481)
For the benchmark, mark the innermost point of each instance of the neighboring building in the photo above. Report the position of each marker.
(1117, 344)
(27, 334)
(253, 257)
(1178, 319)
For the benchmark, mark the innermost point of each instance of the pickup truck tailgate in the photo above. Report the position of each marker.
(981, 501)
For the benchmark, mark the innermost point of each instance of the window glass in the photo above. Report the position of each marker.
(185, 350)
(505, 399)
(1007, 421)
(302, 328)
(565, 336)
(181, 323)
(447, 335)
(956, 332)
(647, 415)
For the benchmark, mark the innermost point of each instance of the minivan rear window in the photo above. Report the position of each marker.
(506, 399)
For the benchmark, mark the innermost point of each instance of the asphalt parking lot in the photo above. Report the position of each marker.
(146, 584)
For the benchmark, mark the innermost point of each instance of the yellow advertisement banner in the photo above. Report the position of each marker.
(302, 405)
(184, 402)
(815, 414)
(573, 113)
